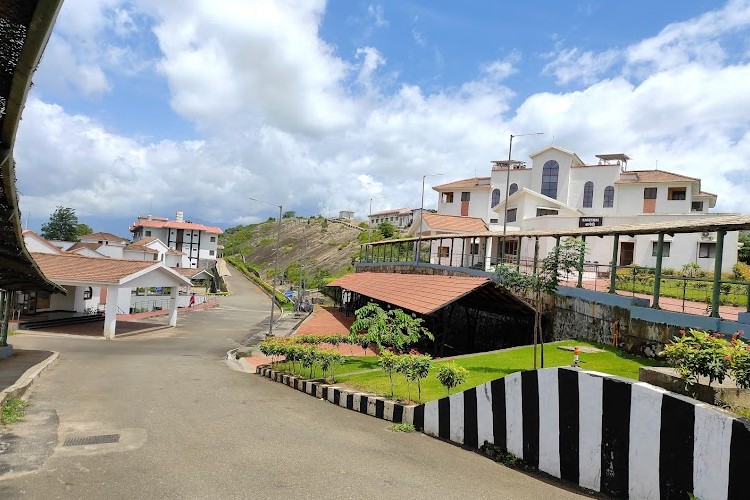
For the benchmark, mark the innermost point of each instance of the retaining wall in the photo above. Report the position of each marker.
(612, 435)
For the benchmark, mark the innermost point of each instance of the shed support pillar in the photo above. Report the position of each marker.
(613, 264)
(716, 295)
(488, 254)
(110, 312)
(173, 303)
(580, 262)
(657, 271)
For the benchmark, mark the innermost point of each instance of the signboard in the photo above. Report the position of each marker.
(589, 221)
(289, 294)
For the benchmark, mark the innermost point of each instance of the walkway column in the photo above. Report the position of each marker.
(657, 271)
(110, 312)
(6, 296)
(580, 262)
(173, 303)
(613, 264)
(488, 254)
(518, 254)
(716, 295)
(536, 254)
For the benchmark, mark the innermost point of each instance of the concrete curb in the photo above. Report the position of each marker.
(375, 406)
(29, 377)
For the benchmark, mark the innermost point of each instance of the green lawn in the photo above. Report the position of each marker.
(485, 367)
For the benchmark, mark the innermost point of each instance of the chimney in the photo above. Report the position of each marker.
(179, 217)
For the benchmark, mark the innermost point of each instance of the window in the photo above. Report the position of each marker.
(707, 250)
(609, 197)
(148, 233)
(494, 221)
(588, 194)
(664, 249)
(213, 238)
(550, 172)
(495, 197)
(696, 206)
(448, 197)
(545, 211)
(210, 252)
(474, 248)
(156, 256)
(513, 188)
(649, 193)
(444, 252)
(676, 194)
(465, 196)
(510, 215)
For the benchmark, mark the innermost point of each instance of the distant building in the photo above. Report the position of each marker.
(559, 191)
(402, 218)
(199, 243)
(346, 214)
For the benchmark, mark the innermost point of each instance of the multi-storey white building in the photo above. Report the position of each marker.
(559, 190)
(199, 243)
(400, 217)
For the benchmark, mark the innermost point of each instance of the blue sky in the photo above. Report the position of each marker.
(321, 106)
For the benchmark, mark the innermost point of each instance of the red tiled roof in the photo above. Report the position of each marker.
(145, 241)
(474, 182)
(652, 176)
(422, 294)
(103, 236)
(175, 225)
(706, 193)
(454, 223)
(79, 268)
(136, 247)
(188, 272)
(79, 245)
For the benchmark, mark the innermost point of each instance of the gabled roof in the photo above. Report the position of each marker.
(526, 192)
(472, 183)
(650, 176)
(158, 223)
(558, 148)
(103, 237)
(422, 294)
(192, 272)
(453, 223)
(32, 234)
(76, 268)
(78, 245)
(135, 247)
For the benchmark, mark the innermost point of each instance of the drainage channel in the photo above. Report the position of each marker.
(89, 440)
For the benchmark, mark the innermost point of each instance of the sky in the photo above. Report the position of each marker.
(141, 107)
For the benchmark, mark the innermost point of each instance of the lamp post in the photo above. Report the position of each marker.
(421, 210)
(369, 219)
(275, 263)
(507, 190)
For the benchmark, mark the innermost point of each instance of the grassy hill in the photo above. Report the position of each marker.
(323, 248)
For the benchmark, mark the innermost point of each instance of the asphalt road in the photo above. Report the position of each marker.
(191, 427)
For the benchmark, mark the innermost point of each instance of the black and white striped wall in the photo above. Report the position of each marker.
(357, 401)
(613, 435)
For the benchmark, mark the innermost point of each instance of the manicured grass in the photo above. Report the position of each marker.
(485, 367)
(349, 365)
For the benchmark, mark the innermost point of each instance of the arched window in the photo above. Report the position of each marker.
(550, 172)
(495, 197)
(609, 197)
(588, 194)
(513, 188)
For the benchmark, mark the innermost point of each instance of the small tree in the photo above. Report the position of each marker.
(387, 229)
(416, 367)
(82, 230)
(389, 363)
(563, 259)
(393, 328)
(289, 214)
(329, 360)
(451, 375)
(61, 225)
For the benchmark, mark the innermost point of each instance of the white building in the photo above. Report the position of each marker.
(559, 190)
(198, 242)
(402, 218)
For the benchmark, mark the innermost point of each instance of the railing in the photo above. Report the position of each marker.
(687, 294)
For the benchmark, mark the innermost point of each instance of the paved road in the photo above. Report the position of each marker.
(193, 428)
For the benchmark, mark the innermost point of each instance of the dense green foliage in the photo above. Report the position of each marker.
(451, 375)
(62, 225)
(393, 328)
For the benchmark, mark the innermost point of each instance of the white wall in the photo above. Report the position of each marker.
(35, 246)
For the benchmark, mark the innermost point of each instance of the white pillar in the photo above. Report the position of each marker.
(110, 312)
(488, 253)
(173, 303)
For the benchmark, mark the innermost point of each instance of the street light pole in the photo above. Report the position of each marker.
(421, 210)
(275, 263)
(507, 190)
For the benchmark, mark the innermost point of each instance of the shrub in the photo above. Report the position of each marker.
(739, 361)
(698, 353)
(329, 360)
(741, 271)
(451, 375)
(416, 367)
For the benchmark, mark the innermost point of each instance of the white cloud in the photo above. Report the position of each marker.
(376, 13)
(279, 120)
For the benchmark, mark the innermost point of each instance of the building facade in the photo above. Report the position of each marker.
(199, 243)
(558, 190)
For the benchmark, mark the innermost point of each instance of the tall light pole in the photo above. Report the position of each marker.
(275, 263)
(421, 209)
(507, 190)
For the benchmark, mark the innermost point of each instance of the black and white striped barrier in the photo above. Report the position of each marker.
(364, 403)
(613, 435)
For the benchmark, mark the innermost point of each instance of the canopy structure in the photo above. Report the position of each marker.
(426, 294)
(25, 27)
